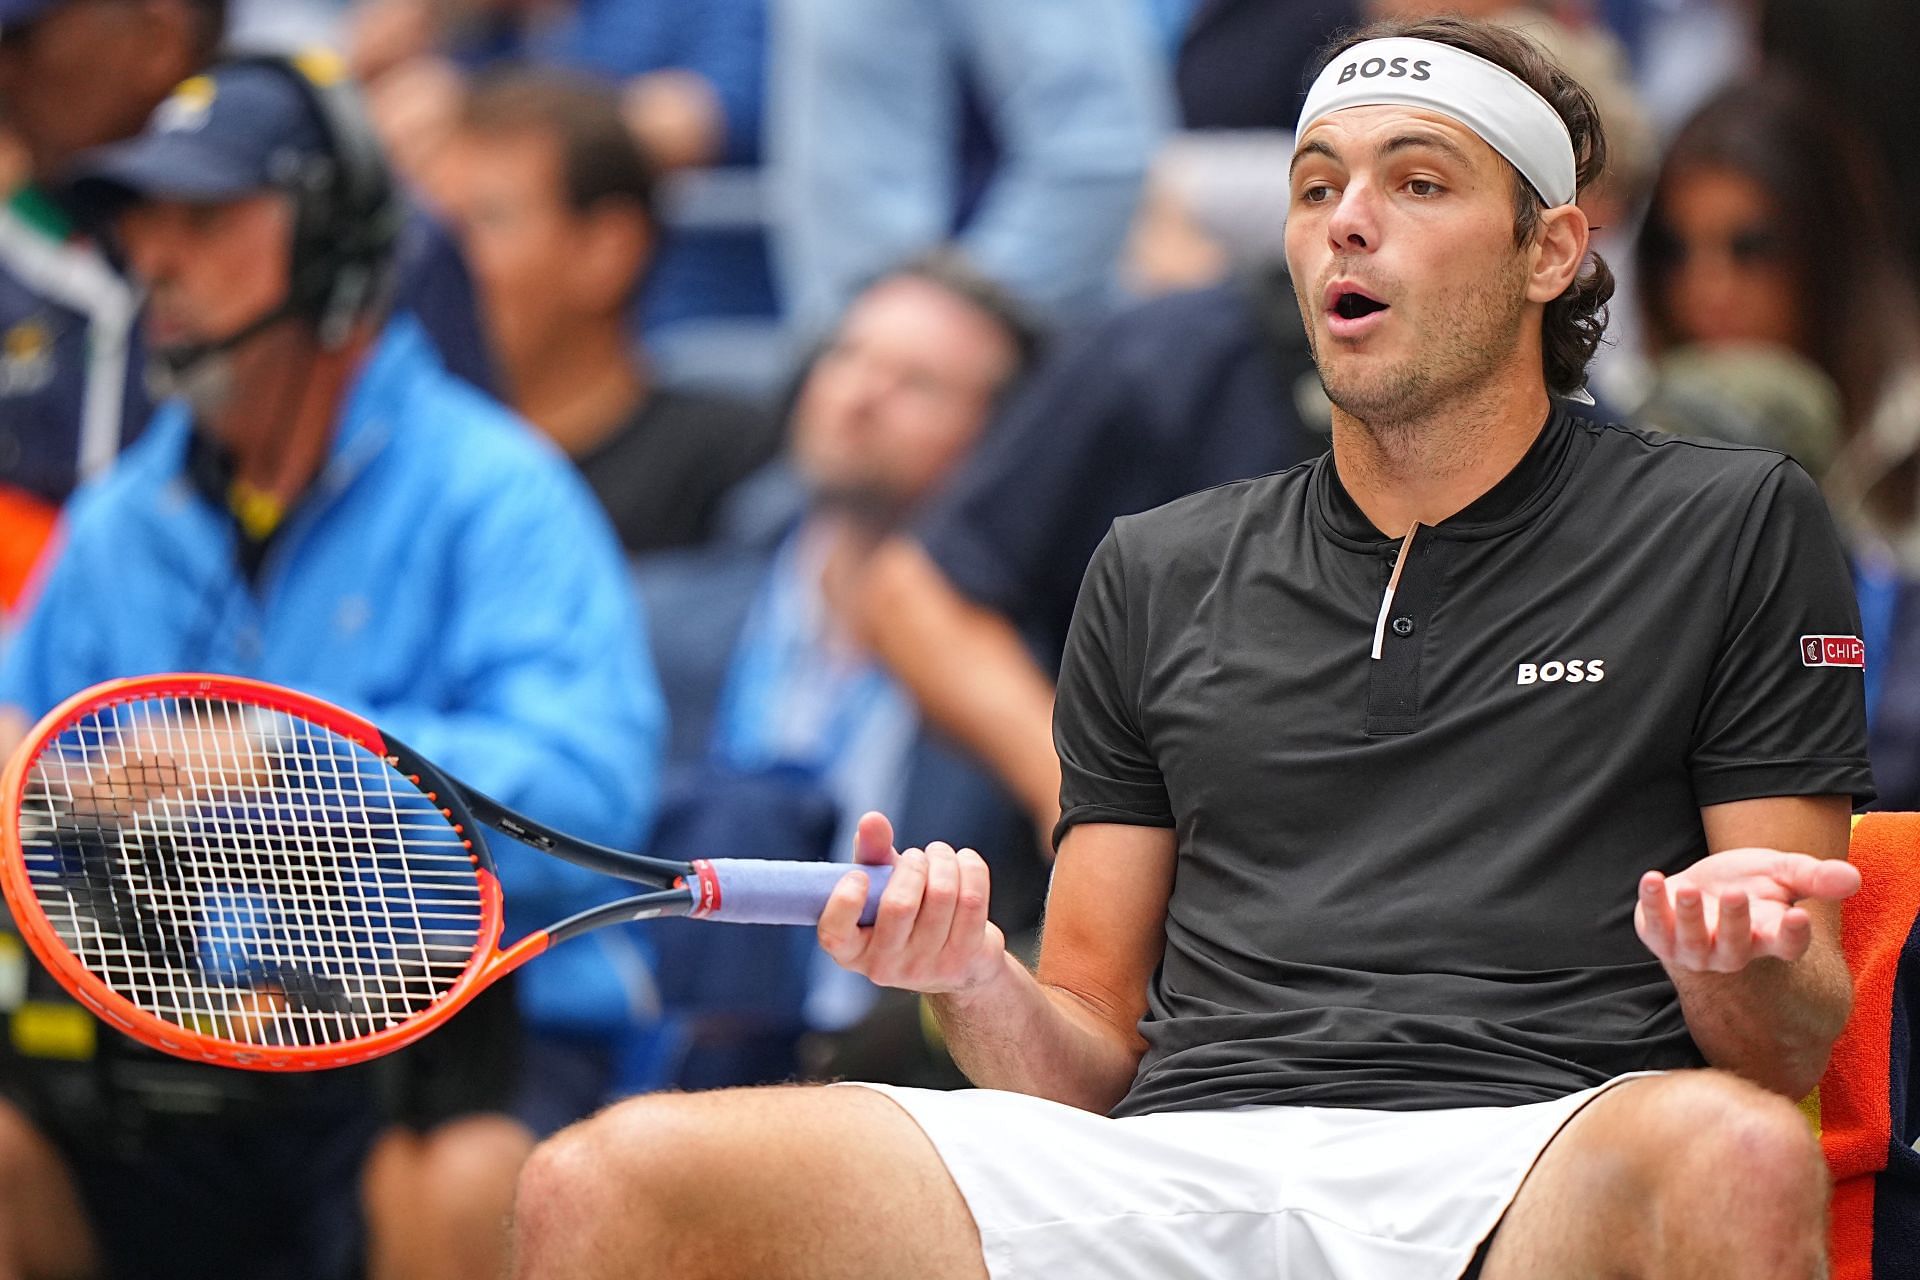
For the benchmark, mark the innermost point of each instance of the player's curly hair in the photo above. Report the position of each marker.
(1574, 321)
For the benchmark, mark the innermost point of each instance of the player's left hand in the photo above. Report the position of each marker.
(1733, 907)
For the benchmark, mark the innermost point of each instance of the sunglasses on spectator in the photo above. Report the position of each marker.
(1748, 247)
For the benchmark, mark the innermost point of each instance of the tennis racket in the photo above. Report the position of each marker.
(237, 873)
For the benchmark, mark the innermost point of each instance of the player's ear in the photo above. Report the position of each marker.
(1559, 247)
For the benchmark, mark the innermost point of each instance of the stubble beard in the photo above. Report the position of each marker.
(1396, 403)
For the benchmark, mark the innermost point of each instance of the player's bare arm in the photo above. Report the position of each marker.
(1069, 1033)
(1750, 935)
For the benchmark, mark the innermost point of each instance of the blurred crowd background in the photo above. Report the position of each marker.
(860, 320)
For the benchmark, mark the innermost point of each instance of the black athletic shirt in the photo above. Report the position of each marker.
(664, 474)
(1408, 882)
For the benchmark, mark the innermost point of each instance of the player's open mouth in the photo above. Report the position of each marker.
(1351, 310)
(1351, 306)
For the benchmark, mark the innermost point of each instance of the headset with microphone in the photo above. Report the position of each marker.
(347, 216)
(348, 213)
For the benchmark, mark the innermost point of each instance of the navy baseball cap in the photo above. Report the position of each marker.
(239, 128)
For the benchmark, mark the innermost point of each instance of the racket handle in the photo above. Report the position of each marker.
(759, 891)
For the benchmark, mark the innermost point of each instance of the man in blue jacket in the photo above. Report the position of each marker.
(322, 505)
(75, 75)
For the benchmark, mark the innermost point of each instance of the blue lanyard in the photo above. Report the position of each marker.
(1876, 583)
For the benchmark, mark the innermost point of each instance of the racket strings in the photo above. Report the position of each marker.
(247, 874)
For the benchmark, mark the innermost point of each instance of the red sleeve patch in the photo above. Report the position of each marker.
(1833, 651)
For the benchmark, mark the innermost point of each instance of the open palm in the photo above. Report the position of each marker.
(1732, 907)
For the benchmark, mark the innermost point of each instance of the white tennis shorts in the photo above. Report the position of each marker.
(1254, 1193)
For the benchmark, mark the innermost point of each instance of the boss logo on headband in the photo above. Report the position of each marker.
(1391, 68)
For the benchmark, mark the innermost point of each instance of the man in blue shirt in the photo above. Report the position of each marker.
(76, 75)
(893, 405)
(324, 506)
(878, 112)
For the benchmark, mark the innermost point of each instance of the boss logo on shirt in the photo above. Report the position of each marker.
(1833, 651)
(1577, 671)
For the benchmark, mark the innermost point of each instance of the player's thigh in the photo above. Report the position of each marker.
(792, 1181)
(1674, 1148)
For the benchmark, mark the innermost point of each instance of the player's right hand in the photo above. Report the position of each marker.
(931, 933)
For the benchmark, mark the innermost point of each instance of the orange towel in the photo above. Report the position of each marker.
(1876, 1203)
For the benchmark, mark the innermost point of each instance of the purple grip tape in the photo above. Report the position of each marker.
(757, 891)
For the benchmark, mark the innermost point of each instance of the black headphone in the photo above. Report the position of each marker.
(347, 209)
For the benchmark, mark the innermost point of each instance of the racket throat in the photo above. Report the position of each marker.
(646, 906)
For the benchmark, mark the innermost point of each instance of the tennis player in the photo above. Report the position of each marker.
(1452, 827)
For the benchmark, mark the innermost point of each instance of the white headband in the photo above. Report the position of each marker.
(1488, 99)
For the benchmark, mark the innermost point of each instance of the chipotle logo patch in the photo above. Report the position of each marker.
(1833, 651)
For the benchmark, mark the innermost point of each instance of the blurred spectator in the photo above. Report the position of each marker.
(1020, 131)
(324, 506)
(691, 75)
(16, 167)
(1743, 287)
(1170, 20)
(691, 78)
(1245, 64)
(1683, 51)
(894, 402)
(553, 200)
(26, 518)
(1737, 248)
(1215, 204)
(75, 74)
(72, 75)
(287, 24)
(1749, 393)
(970, 609)
(1858, 55)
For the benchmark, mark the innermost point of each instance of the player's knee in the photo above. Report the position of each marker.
(1733, 1119)
(562, 1173)
(1756, 1141)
